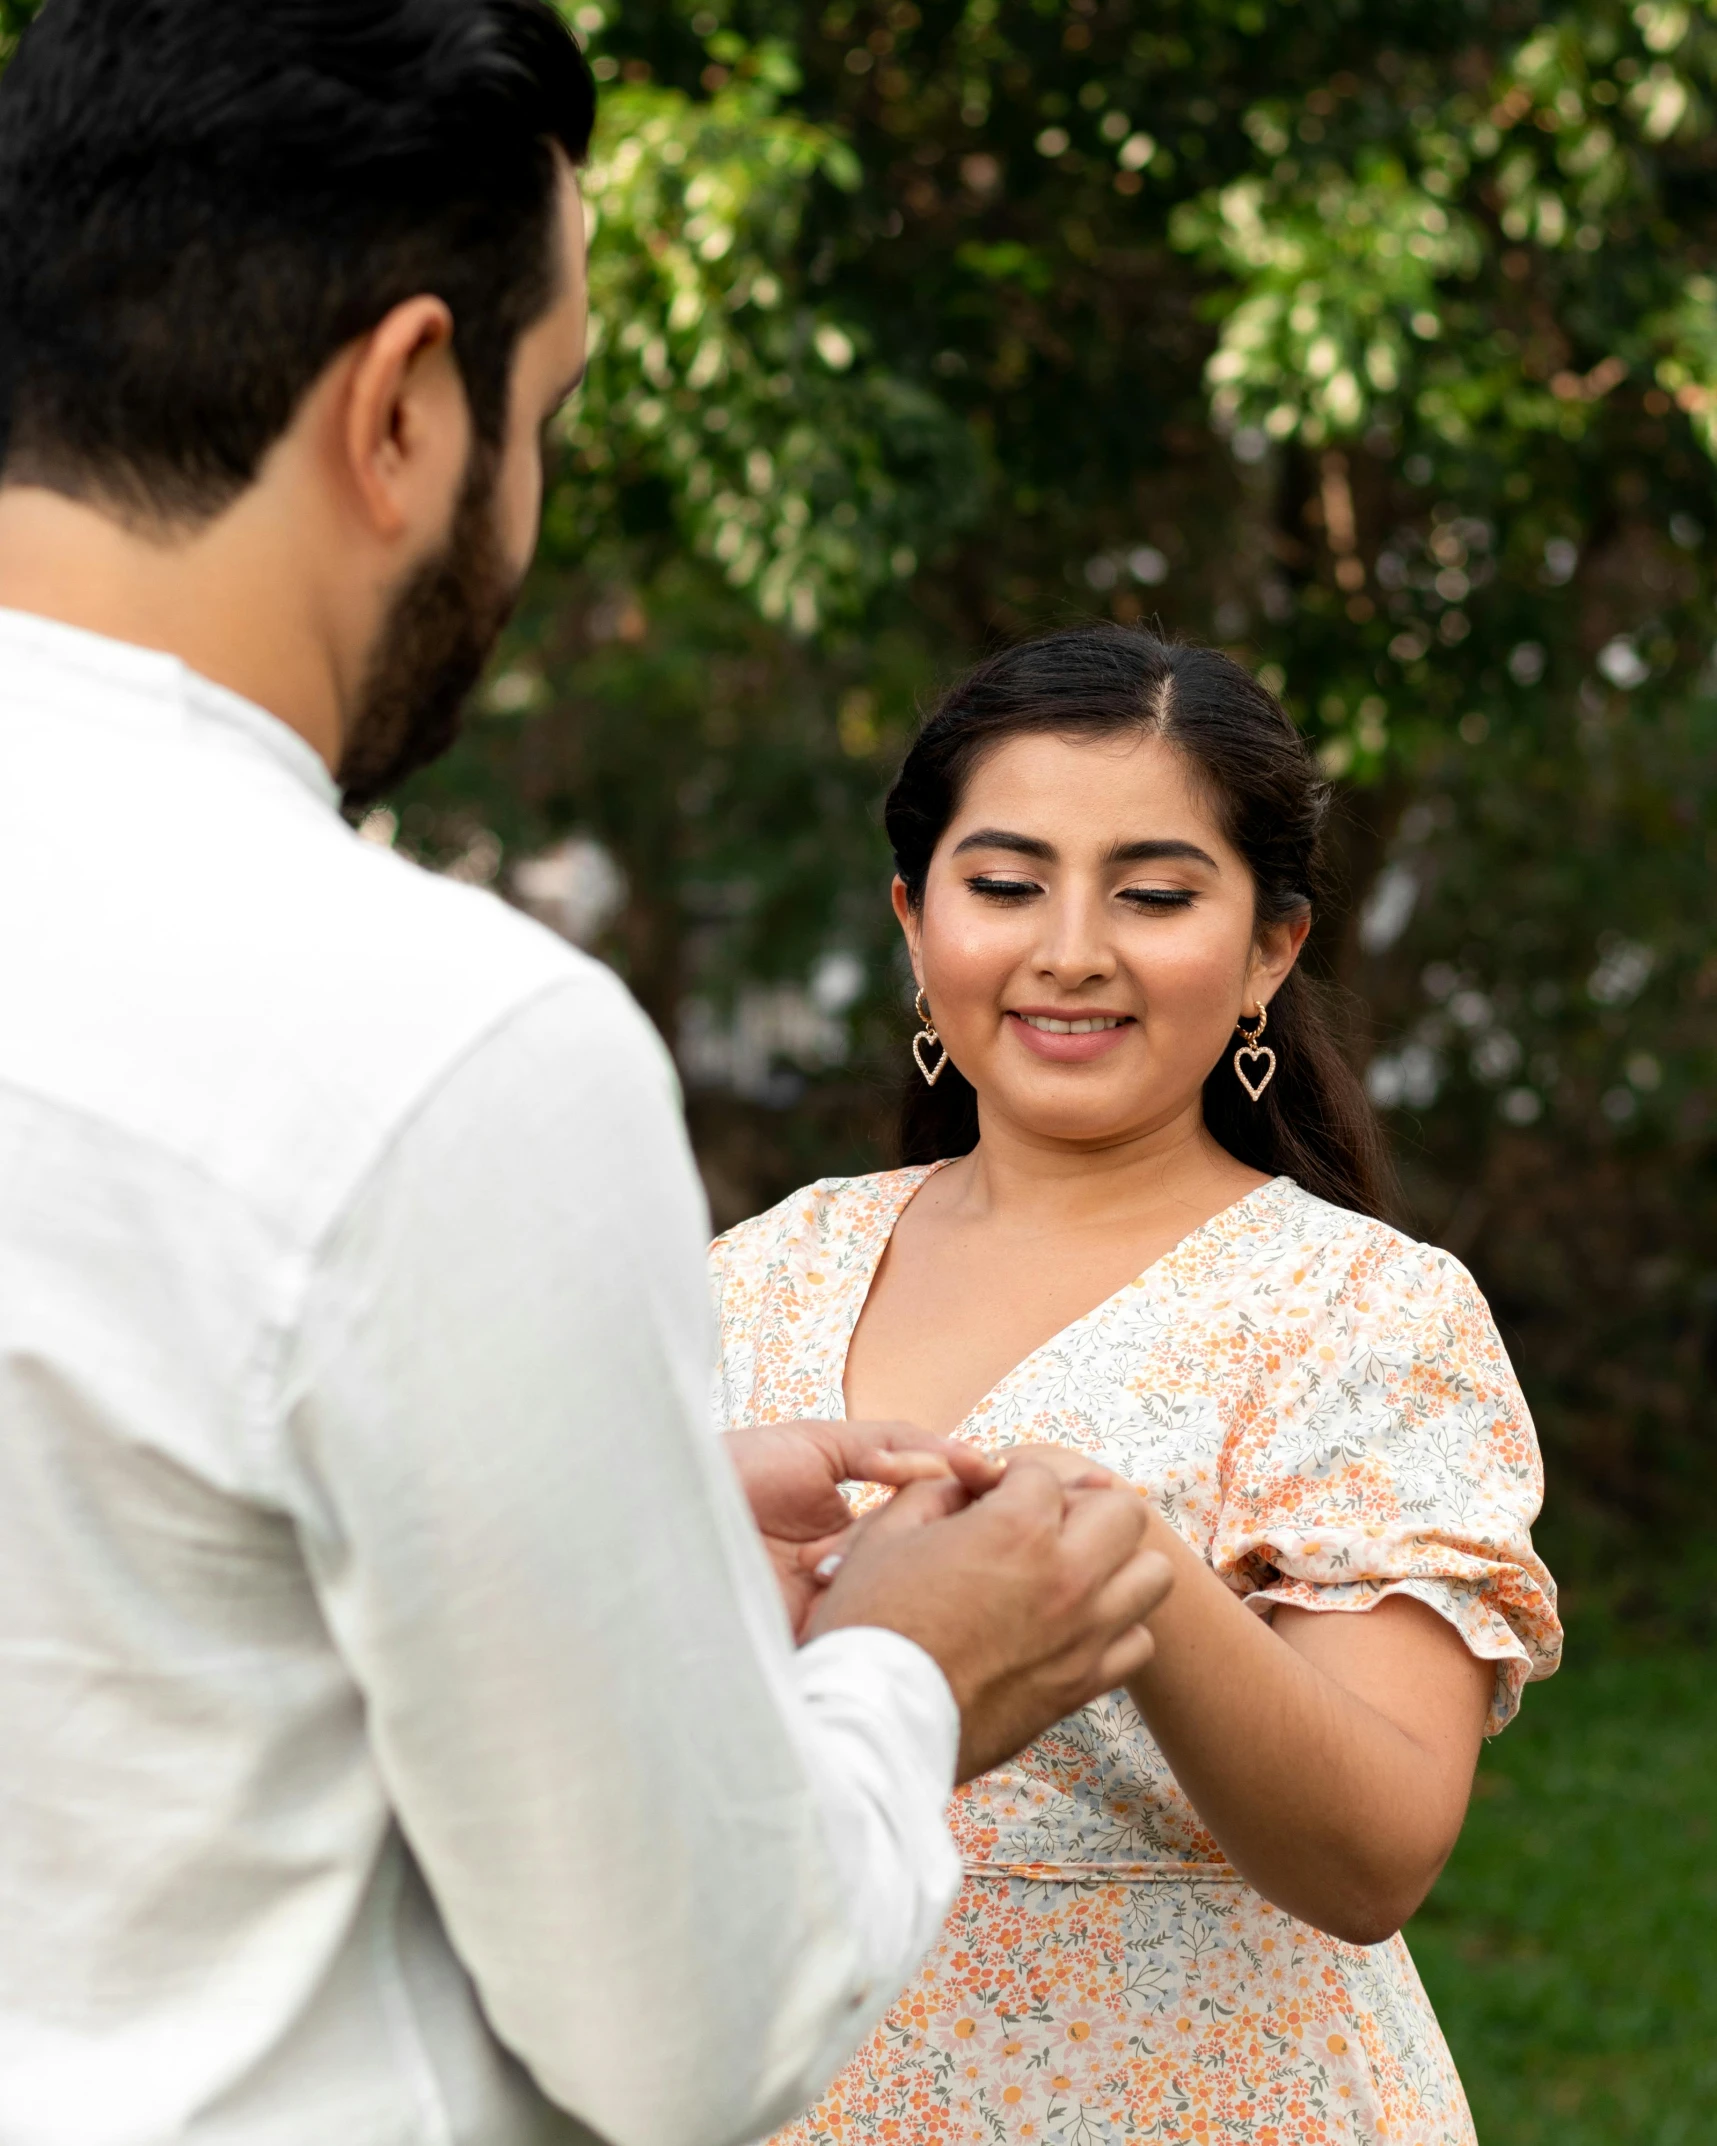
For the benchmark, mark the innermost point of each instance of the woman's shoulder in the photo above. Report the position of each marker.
(1347, 1252)
(828, 1215)
(1352, 1304)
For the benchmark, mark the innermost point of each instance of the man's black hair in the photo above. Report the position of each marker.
(202, 201)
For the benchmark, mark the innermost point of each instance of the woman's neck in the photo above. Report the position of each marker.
(1002, 1250)
(1027, 1181)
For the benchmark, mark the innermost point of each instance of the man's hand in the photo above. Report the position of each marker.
(1032, 1600)
(791, 1474)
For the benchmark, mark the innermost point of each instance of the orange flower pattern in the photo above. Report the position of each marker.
(1323, 1408)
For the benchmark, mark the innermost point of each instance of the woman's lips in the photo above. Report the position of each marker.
(1070, 1050)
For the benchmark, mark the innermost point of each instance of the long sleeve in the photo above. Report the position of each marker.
(685, 1867)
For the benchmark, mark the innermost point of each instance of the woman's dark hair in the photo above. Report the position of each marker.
(204, 200)
(1313, 1123)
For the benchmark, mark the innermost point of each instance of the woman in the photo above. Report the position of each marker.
(1140, 1218)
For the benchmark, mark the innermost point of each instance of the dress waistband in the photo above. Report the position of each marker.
(1108, 1873)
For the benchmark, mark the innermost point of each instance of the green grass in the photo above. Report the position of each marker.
(1571, 1946)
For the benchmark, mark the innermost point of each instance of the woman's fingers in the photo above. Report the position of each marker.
(1073, 1469)
(974, 1471)
(876, 1464)
(899, 1453)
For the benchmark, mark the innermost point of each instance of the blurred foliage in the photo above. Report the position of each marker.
(15, 16)
(1376, 342)
(718, 391)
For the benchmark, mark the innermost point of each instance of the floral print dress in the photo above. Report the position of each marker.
(1324, 1409)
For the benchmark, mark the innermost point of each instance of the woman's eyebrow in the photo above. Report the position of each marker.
(1154, 852)
(1000, 838)
(1145, 852)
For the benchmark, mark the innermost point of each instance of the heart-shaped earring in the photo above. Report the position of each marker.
(926, 1040)
(1256, 1054)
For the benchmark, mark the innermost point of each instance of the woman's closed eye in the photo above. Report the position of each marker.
(1002, 890)
(990, 887)
(1158, 898)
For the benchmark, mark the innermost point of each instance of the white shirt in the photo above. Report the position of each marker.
(401, 1741)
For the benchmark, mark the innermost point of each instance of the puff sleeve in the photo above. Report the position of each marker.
(1386, 1448)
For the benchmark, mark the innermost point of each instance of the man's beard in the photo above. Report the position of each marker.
(433, 645)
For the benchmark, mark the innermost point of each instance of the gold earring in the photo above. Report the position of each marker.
(927, 1040)
(1251, 1049)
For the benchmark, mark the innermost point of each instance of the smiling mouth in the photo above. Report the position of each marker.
(1088, 1026)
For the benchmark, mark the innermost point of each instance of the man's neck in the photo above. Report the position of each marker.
(222, 598)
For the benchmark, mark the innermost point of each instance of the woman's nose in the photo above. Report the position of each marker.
(1075, 947)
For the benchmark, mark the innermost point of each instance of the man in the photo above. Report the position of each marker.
(402, 1737)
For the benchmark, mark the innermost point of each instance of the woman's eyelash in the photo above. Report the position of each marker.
(1158, 897)
(1019, 890)
(1004, 890)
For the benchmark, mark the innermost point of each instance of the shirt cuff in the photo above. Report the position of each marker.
(896, 1681)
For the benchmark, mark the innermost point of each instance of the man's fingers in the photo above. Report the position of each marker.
(1119, 1612)
(1125, 1657)
(978, 1472)
(1029, 1489)
(844, 1563)
(1134, 1593)
(1104, 1527)
(914, 1506)
(809, 1556)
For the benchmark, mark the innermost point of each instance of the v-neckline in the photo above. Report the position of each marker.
(863, 1280)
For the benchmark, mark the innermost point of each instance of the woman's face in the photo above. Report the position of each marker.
(1087, 881)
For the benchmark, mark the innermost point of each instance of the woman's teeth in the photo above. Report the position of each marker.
(1071, 1028)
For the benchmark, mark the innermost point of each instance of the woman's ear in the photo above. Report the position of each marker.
(908, 917)
(1274, 952)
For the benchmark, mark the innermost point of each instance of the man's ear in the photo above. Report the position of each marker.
(1274, 952)
(405, 429)
(908, 918)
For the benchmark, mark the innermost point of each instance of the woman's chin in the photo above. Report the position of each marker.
(1081, 1118)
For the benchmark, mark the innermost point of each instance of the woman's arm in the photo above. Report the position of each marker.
(1331, 1753)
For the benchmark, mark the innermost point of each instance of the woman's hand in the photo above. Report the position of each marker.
(1072, 1469)
(1033, 1599)
(792, 1474)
